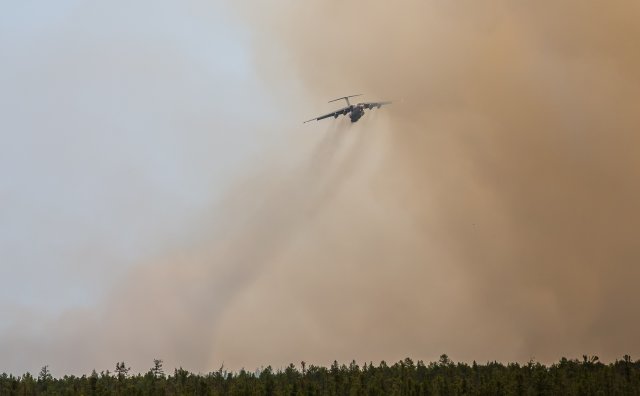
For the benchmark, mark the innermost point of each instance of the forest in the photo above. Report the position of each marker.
(586, 376)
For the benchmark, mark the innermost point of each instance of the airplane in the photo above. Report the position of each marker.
(356, 111)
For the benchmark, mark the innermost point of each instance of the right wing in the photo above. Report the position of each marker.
(342, 111)
(371, 105)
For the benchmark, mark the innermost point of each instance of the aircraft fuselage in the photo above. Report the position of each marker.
(356, 113)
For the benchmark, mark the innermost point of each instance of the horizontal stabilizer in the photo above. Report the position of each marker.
(344, 97)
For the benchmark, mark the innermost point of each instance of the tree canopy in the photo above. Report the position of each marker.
(586, 376)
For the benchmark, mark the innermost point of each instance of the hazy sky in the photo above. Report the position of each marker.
(120, 124)
(160, 197)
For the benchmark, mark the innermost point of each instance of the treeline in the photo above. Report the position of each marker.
(567, 377)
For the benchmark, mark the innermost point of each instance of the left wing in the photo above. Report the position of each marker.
(335, 114)
(371, 105)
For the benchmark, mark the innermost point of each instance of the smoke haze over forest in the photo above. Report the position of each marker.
(489, 213)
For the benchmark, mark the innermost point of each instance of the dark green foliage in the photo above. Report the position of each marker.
(157, 370)
(588, 376)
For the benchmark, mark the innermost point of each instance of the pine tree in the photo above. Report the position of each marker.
(122, 371)
(44, 378)
(157, 368)
(45, 374)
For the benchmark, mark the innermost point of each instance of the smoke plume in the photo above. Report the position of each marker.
(504, 201)
(489, 213)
